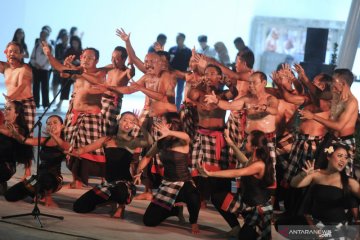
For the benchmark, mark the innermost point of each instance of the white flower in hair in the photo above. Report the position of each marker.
(329, 150)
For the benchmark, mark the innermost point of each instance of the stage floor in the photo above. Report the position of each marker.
(99, 224)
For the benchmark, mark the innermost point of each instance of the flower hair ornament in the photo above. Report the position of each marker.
(329, 150)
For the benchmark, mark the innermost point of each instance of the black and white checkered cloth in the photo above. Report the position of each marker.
(29, 112)
(283, 148)
(103, 189)
(256, 216)
(167, 194)
(111, 107)
(236, 127)
(303, 149)
(189, 118)
(204, 151)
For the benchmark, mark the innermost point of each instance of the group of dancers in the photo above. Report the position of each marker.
(293, 142)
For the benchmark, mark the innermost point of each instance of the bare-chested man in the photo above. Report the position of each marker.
(310, 133)
(209, 146)
(18, 82)
(84, 115)
(343, 114)
(261, 109)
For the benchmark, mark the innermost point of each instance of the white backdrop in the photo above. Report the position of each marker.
(220, 20)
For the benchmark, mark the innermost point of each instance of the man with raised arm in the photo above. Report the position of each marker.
(209, 146)
(84, 115)
(18, 83)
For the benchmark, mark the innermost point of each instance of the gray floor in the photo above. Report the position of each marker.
(99, 224)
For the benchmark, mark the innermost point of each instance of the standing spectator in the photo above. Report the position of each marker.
(179, 59)
(74, 31)
(41, 71)
(222, 53)
(239, 45)
(61, 48)
(19, 37)
(76, 50)
(159, 44)
(206, 49)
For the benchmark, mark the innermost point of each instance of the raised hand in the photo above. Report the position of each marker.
(211, 98)
(68, 61)
(306, 114)
(300, 71)
(46, 48)
(309, 167)
(123, 35)
(158, 47)
(164, 130)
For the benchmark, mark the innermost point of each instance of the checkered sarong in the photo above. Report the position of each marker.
(103, 189)
(303, 149)
(189, 118)
(111, 107)
(283, 147)
(236, 126)
(204, 151)
(68, 127)
(84, 131)
(256, 216)
(29, 112)
(350, 142)
(167, 194)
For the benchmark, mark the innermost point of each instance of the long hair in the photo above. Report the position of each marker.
(20, 119)
(343, 175)
(262, 152)
(172, 118)
(23, 45)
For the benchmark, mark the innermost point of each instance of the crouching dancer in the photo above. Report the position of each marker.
(118, 149)
(176, 186)
(51, 156)
(252, 200)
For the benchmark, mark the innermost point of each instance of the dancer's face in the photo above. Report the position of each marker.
(117, 60)
(127, 122)
(256, 85)
(53, 125)
(338, 159)
(212, 77)
(13, 54)
(88, 59)
(10, 114)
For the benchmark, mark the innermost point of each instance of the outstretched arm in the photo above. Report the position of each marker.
(131, 52)
(253, 169)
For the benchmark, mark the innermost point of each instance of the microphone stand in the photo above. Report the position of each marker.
(36, 211)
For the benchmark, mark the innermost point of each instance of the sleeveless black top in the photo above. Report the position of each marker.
(328, 203)
(175, 165)
(51, 158)
(117, 165)
(254, 191)
(12, 151)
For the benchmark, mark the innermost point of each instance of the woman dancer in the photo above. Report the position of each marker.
(331, 192)
(253, 198)
(11, 151)
(118, 149)
(176, 186)
(51, 156)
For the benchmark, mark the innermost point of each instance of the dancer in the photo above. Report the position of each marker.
(253, 198)
(330, 193)
(118, 149)
(176, 186)
(11, 151)
(51, 155)
(18, 82)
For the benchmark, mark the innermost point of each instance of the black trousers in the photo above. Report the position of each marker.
(188, 194)
(41, 79)
(211, 185)
(89, 200)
